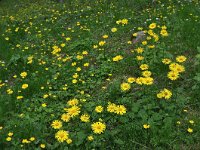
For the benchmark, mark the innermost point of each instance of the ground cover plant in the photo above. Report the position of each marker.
(99, 74)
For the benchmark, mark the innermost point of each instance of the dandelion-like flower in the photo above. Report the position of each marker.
(98, 127)
(125, 86)
(56, 124)
(61, 135)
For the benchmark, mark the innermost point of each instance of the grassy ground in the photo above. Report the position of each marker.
(74, 63)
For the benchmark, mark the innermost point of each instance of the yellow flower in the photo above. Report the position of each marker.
(84, 52)
(144, 67)
(118, 58)
(10, 134)
(98, 127)
(118, 21)
(149, 38)
(101, 43)
(150, 32)
(69, 141)
(125, 86)
(73, 111)
(95, 46)
(65, 117)
(181, 59)
(165, 93)
(166, 61)
(74, 64)
(68, 39)
(45, 95)
(146, 73)
(134, 34)
(85, 118)
(164, 33)
(173, 66)
(144, 43)
(32, 139)
(61, 135)
(140, 50)
(139, 58)
(159, 95)
(23, 74)
(90, 138)
(30, 59)
(44, 105)
(17, 29)
(42, 145)
(113, 29)
(19, 97)
(139, 80)
(74, 81)
(24, 86)
(12, 18)
(9, 91)
(131, 80)
(25, 141)
(191, 121)
(129, 42)
(73, 102)
(18, 45)
(124, 21)
(98, 109)
(78, 69)
(179, 68)
(56, 124)
(105, 36)
(120, 109)
(176, 67)
(147, 81)
(62, 45)
(140, 28)
(8, 139)
(111, 107)
(146, 126)
(56, 50)
(156, 37)
(79, 57)
(152, 25)
(151, 46)
(173, 75)
(164, 27)
(86, 64)
(82, 92)
(190, 130)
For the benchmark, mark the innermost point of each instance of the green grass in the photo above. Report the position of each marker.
(35, 27)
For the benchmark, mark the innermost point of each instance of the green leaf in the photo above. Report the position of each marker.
(119, 141)
(80, 136)
(197, 77)
(198, 49)
(156, 117)
(143, 114)
(14, 59)
(66, 148)
(114, 132)
(135, 107)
